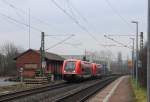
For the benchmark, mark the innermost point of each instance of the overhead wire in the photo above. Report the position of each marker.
(60, 42)
(74, 45)
(120, 35)
(76, 10)
(118, 14)
(122, 18)
(19, 22)
(70, 16)
(83, 18)
(24, 12)
(117, 42)
(75, 20)
(28, 25)
(14, 8)
(12, 22)
(15, 20)
(59, 35)
(112, 45)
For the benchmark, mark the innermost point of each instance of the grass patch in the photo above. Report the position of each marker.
(140, 94)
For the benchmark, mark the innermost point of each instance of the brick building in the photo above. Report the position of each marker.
(30, 62)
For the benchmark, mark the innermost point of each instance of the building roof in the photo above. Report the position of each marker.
(48, 55)
(53, 56)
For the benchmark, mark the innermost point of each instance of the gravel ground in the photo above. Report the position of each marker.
(50, 95)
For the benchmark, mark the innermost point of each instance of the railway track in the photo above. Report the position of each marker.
(83, 93)
(38, 93)
(56, 92)
(19, 94)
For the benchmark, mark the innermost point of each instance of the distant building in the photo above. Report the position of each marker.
(90, 58)
(30, 61)
(79, 57)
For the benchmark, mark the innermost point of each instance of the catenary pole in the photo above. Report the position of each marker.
(148, 55)
(133, 57)
(42, 51)
(137, 54)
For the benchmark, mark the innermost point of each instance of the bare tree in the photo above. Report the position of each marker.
(119, 60)
(8, 52)
(1, 63)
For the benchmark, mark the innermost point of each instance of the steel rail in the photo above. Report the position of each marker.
(84, 93)
(30, 91)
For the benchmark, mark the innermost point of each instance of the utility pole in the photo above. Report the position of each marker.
(137, 54)
(29, 28)
(43, 63)
(148, 55)
(133, 57)
(85, 56)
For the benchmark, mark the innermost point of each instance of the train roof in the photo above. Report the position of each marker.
(82, 61)
(77, 60)
(72, 60)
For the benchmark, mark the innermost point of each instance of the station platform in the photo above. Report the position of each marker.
(118, 91)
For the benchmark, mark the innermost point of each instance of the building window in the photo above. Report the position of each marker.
(30, 66)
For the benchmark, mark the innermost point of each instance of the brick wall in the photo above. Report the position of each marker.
(30, 57)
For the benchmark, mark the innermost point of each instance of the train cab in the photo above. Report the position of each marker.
(76, 70)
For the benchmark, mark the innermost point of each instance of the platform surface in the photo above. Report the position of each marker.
(118, 91)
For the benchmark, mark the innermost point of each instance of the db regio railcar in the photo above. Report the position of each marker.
(77, 70)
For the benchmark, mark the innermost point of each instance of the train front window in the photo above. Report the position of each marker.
(70, 66)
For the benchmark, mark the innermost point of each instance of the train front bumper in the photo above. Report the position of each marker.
(72, 77)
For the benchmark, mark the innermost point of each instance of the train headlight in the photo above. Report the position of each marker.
(64, 71)
(74, 71)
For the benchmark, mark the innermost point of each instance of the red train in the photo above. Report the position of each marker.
(77, 70)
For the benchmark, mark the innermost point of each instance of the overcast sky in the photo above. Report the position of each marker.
(99, 17)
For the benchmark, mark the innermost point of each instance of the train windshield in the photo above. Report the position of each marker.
(70, 66)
